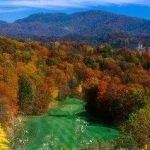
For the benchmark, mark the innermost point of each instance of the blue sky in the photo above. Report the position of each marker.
(11, 10)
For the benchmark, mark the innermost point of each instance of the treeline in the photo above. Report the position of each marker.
(115, 83)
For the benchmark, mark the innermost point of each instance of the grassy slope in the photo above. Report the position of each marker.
(62, 131)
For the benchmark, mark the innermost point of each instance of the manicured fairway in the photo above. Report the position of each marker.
(62, 129)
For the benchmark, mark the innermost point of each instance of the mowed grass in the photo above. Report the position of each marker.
(61, 131)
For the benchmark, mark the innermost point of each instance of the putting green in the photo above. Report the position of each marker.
(62, 129)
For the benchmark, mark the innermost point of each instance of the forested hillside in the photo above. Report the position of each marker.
(90, 26)
(115, 83)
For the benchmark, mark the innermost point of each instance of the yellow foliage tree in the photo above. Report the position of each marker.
(3, 140)
(26, 69)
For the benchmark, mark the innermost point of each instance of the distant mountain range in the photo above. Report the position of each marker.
(93, 26)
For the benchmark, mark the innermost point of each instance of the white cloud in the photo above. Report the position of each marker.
(67, 3)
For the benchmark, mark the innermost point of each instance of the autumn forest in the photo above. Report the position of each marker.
(113, 83)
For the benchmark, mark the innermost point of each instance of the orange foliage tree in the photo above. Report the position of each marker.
(46, 92)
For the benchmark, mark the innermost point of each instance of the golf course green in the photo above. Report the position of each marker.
(65, 127)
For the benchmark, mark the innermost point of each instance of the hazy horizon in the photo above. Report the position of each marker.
(11, 10)
(68, 12)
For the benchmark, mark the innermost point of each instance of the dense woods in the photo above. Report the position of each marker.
(115, 83)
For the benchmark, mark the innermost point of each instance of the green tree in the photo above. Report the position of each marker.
(108, 51)
(139, 126)
(26, 95)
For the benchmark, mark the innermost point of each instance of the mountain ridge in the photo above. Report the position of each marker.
(77, 13)
(89, 25)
